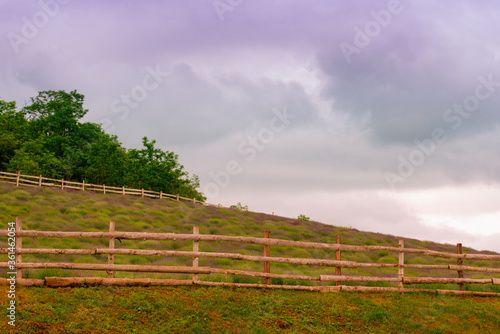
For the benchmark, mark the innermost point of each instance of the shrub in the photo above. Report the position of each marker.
(303, 218)
(239, 206)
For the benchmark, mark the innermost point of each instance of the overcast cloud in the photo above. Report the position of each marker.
(380, 115)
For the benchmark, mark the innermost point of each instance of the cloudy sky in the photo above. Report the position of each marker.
(380, 115)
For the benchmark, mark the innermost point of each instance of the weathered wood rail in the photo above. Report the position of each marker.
(195, 270)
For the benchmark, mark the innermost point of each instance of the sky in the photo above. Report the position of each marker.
(377, 115)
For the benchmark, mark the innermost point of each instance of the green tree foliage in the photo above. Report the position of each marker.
(46, 137)
(107, 161)
(8, 146)
(34, 159)
(56, 112)
(160, 170)
(13, 127)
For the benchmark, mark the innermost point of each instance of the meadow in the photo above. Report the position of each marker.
(149, 310)
(215, 309)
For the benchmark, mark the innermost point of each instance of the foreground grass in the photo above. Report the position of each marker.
(227, 310)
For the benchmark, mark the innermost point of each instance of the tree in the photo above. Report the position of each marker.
(188, 188)
(13, 121)
(152, 168)
(107, 161)
(13, 130)
(8, 146)
(82, 151)
(34, 159)
(47, 137)
(55, 115)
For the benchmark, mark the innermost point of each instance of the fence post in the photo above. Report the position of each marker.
(104, 189)
(111, 257)
(62, 183)
(401, 269)
(142, 192)
(17, 179)
(177, 197)
(267, 253)
(123, 190)
(83, 185)
(196, 231)
(460, 262)
(19, 246)
(161, 194)
(40, 181)
(338, 270)
(194, 200)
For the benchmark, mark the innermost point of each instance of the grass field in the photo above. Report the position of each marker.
(221, 310)
(225, 310)
(71, 210)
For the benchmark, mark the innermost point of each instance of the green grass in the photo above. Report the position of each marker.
(69, 210)
(227, 310)
(121, 310)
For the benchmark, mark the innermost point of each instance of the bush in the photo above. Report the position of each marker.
(303, 218)
(239, 206)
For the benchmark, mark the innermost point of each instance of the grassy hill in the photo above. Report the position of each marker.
(71, 210)
(204, 310)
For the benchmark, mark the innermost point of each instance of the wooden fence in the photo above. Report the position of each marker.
(40, 181)
(322, 282)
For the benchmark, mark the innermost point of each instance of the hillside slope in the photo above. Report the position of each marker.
(214, 309)
(71, 210)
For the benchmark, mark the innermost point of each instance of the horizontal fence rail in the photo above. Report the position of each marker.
(336, 263)
(252, 240)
